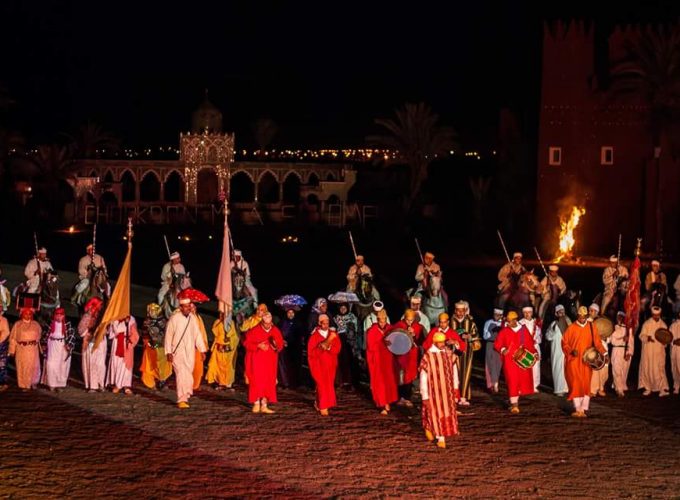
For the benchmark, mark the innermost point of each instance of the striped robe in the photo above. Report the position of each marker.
(436, 384)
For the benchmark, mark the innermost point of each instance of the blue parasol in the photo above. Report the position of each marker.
(295, 302)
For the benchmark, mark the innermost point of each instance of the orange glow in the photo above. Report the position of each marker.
(567, 226)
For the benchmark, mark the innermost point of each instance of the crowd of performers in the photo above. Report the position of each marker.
(337, 348)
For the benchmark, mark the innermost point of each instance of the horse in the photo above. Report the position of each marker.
(244, 304)
(5, 296)
(571, 301)
(617, 301)
(95, 285)
(521, 291)
(434, 298)
(170, 301)
(367, 294)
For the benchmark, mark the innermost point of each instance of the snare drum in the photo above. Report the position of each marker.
(524, 358)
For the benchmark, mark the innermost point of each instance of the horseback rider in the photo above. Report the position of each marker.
(356, 271)
(510, 273)
(611, 277)
(551, 288)
(36, 269)
(91, 262)
(170, 270)
(427, 268)
(241, 265)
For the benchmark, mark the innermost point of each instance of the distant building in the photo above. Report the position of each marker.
(187, 190)
(597, 151)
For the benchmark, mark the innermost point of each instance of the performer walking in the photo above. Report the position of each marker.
(58, 356)
(24, 340)
(437, 370)
(492, 360)
(222, 363)
(154, 367)
(652, 376)
(675, 354)
(511, 338)
(623, 348)
(466, 328)
(262, 344)
(93, 359)
(124, 337)
(182, 338)
(4, 348)
(535, 328)
(322, 355)
(580, 336)
(600, 377)
(381, 365)
(554, 335)
(407, 364)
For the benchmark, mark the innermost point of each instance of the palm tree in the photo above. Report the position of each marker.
(651, 72)
(417, 139)
(264, 129)
(92, 138)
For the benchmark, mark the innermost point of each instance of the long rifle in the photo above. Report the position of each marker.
(541, 262)
(354, 249)
(507, 255)
(167, 247)
(618, 258)
(420, 253)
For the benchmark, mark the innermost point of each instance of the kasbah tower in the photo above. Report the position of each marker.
(596, 150)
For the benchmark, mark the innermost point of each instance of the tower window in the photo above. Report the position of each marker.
(554, 156)
(606, 155)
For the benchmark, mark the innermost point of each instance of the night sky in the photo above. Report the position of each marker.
(321, 70)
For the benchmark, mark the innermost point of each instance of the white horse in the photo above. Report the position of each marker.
(434, 299)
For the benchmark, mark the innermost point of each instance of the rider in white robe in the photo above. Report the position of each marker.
(240, 264)
(35, 269)
(355, 271)
(85, 263)
(610, 277)
(174, 266)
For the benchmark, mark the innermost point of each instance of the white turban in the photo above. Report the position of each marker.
(559, 307)
(517, 254)
(498, 311)
(237, 252)
(42, 250)
(553, 267)
(656, 262)
(613, 258)
(174, 255)
(378, 306)
(184, 301)
(527, 309)
(594, 306)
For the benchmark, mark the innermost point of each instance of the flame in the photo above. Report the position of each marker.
(567, 226)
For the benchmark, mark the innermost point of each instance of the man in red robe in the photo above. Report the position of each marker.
(381, 364)
(580, 336)
(262, 344)
(322, 355)
(520, 380)
(407, 364)
(437, 370)
(453, 341)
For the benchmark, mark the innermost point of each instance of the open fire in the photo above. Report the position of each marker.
(567, 226)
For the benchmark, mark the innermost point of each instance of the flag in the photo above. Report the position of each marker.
(119, 305)
(632, 302)
(223, 290)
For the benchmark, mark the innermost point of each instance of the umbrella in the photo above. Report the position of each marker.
(194, 295)
(344, 297)
(294, 302)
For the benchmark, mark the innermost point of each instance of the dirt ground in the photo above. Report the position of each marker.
(75, 444)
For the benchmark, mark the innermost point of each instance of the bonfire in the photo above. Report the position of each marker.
(567, 240)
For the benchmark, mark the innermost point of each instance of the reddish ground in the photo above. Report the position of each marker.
(75, 444)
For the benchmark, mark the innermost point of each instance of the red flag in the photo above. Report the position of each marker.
(632, 302)
(223, 290)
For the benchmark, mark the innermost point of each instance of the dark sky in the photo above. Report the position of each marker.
(321, 70)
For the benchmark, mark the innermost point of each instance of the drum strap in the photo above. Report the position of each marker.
(592, 333)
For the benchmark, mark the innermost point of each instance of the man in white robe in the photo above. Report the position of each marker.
(675, 355)
(182, 338)
(535, 329)
(171, 268)
(623, 348)
(124, 336)
(93, 360)
(58, 357)
(35, 269)
(492, 361)
(652, 377)
(355, 271)
(550, 285)
(554, 335)
(426, 269)
(598, 379)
